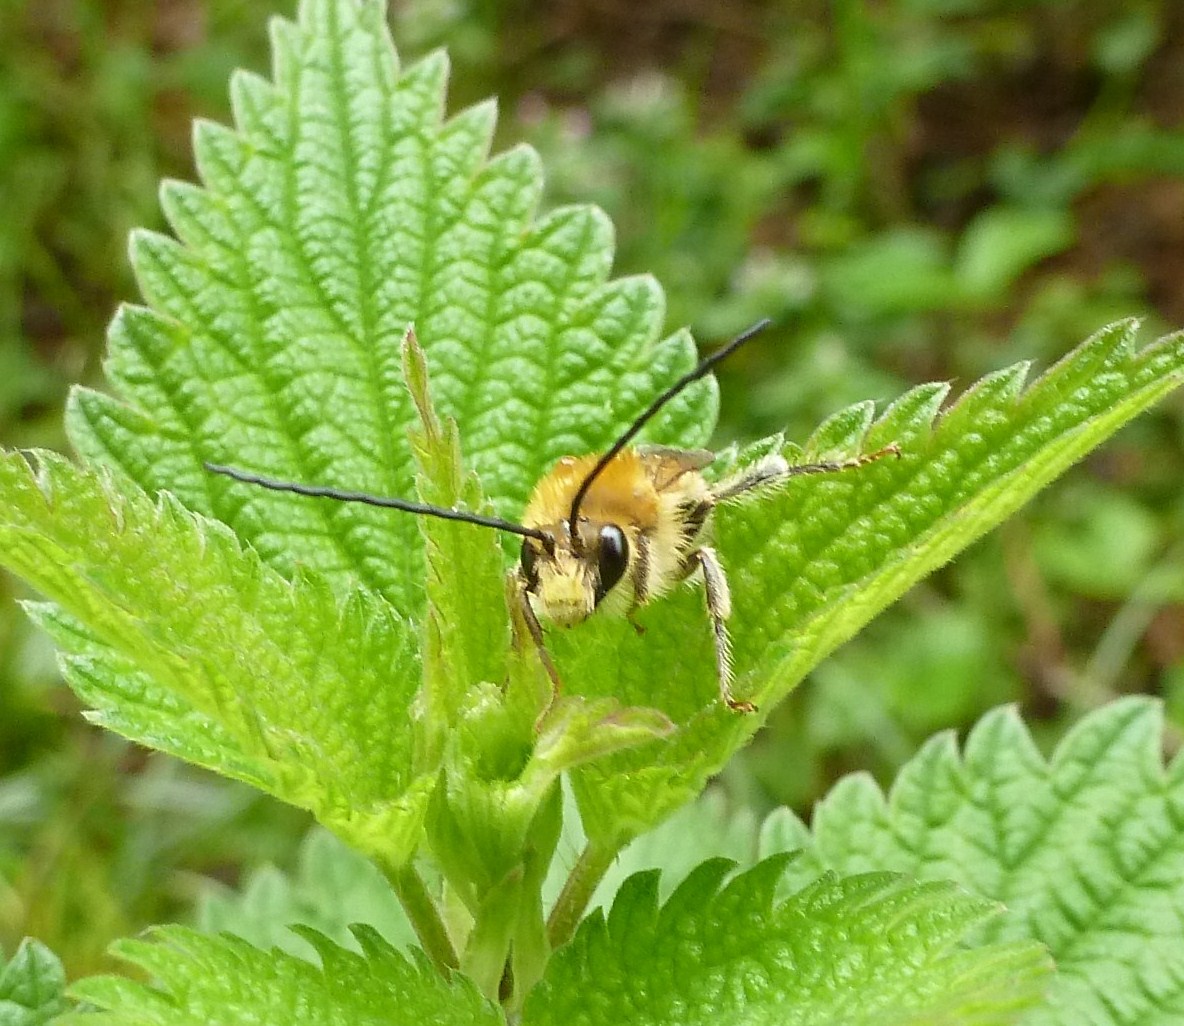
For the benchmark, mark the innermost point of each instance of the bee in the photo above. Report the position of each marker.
(615, 530)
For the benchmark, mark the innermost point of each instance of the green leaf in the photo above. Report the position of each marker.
(202, 980)
(1085, 849)
(854, 952)
(183, 640)
(32, 986)
(812, 562)
(860, 539)
(343, 208)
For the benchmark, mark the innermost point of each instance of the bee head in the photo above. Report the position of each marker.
(569, 578)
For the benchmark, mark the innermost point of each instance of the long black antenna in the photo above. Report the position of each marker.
(321, 492)
(687, 379)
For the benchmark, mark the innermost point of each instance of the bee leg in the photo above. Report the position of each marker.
(766, 471)
(632, 622)
(640, 579)
(524, 616)
(719, 608)
(775, 468)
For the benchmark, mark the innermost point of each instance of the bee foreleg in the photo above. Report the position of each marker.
(640, 578)
(719, 608)
(524, 616)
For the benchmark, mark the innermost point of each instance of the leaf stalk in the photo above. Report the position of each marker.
(581, 884)
(424, 916)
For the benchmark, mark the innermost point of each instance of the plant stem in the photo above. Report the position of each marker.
(585, 876)
(424, 916)
(530, 949)
(488, 947)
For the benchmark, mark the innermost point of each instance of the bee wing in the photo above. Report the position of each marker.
(665, 465)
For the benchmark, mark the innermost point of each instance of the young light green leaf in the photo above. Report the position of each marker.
(1085, 849)
(201, 980)
(854, 952)
(32, 986)
(466, 636)
(811, 563)
(184, 641)
(343, 208)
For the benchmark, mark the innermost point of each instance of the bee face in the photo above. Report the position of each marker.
(566, 581)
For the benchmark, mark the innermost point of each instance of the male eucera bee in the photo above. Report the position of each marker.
(616, 529)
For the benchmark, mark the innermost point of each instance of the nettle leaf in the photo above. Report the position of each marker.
(343, 208)
(864, 950)
(812, 562)
(185, 641)
(1085, 849)
(202, 980)
(32, 986)
(467, 635)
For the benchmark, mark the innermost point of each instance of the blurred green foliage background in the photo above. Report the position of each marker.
(912, 189)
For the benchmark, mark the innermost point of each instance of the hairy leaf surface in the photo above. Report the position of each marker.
(200, 980)
(854, 952)
(192, 645)
(1086, 851)
(342, 208)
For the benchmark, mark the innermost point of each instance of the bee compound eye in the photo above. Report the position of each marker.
(613, 558)
(528, 559)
